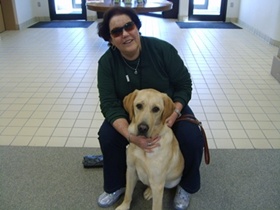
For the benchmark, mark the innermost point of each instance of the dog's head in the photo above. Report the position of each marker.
(148, 109)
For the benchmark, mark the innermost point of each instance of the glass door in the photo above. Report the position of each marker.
(67, 9)
(207, 10)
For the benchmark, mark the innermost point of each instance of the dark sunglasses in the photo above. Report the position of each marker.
(119, 31)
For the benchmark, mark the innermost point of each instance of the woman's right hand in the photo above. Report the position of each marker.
(145, 143)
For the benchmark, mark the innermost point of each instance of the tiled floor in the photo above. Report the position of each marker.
(48, 94)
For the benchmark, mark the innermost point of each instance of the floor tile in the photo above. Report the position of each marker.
(57, 141)
(261, 144)
(240, 143)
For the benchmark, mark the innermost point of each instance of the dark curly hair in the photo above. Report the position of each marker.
(103, 27)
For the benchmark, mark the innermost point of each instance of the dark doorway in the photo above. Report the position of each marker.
(67, 9)
(207, 10)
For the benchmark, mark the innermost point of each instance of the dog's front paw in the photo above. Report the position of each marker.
(148, 193)
(123, 206)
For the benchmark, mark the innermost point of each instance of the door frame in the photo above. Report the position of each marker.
(54, 16)
(221, 17)
(2, 24)
(9, 16)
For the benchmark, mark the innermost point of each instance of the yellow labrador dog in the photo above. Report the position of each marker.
(148, 110)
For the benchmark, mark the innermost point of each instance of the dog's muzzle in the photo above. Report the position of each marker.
(143, 129)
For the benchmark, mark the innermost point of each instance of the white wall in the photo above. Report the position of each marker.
(29, 12)
(233, 7)
(43, 10)
(263, 17)
(24, 10)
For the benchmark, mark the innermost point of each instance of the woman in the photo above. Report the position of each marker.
(137, 62)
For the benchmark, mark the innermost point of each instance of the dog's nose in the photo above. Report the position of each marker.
(143, 128)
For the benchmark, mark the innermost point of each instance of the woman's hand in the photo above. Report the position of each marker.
(147, 144)
(171, 120)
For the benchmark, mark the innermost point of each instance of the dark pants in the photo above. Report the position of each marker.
(113, 146)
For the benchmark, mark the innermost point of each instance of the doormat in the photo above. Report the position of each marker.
(62, 24)
(214, 25)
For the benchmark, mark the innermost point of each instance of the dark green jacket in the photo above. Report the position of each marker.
(160, 68)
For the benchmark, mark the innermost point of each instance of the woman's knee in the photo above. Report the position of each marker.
(108, 136)
(189, 136)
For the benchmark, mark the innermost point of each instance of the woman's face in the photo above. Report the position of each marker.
(128, 42)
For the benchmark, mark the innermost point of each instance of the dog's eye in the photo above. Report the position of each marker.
(139, 106)
(155, 109)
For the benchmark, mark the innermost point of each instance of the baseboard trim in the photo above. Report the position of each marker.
(259, 33)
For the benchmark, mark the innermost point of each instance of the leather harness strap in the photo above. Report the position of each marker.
(192, 119)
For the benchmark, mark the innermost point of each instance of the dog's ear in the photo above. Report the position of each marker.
(169, 107)
(128, 103)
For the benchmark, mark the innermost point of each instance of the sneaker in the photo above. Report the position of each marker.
(108, 199)
(182, 199)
